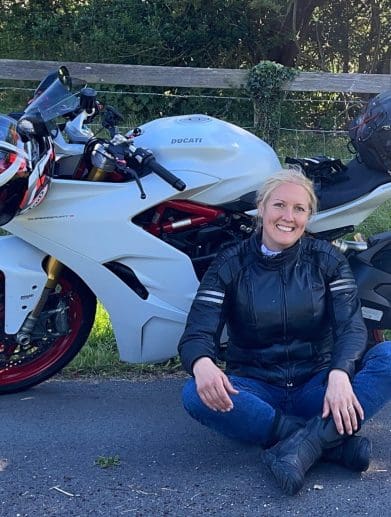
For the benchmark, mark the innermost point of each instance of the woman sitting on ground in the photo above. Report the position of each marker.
(297, 381)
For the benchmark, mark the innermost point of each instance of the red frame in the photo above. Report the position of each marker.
(199, 215)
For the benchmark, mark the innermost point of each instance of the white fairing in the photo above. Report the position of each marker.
(352, 213)
(198, 143)
(24, 280)
(86, 225)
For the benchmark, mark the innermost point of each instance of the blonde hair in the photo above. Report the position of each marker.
(291, 175)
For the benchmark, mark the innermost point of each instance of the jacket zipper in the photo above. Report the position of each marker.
(289, 383)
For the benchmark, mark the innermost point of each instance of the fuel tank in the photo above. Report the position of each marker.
(239, 160)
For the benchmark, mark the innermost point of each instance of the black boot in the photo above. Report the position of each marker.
(290, 459)
(354, 453)
(284, 426)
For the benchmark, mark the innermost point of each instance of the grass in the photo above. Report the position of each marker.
(100, 356)
(105, 462)
(379, 221)
(309, 143)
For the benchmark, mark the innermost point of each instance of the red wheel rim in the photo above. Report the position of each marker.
(16, 374)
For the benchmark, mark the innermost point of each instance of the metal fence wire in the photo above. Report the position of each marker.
(311, 124)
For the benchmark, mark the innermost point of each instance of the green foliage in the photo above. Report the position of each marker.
(225, 33)
(302, 143)
(105, 462)
(100, 352)
(379, 221)
(316, 35)
(264, 84)
(348, 37)
(140, 105)
(15, 98)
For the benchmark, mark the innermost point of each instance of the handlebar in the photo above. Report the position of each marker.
(145, 158)
(165, 174)
(125, 157)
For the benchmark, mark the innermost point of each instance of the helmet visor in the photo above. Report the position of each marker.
(11, 196)
(8, 132)
(12, 153)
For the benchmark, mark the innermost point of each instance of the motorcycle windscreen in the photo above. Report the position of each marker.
(60, 98)
(11, 197)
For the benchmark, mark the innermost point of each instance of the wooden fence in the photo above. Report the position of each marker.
(187, 77)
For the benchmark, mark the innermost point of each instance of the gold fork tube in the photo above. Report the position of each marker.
(96, 174)
(53, 269)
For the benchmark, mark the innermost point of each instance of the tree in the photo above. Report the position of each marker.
(310, 34)
(349, 37)
(292, 29)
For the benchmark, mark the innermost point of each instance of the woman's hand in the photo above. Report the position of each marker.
(213, 386)
(342, 403)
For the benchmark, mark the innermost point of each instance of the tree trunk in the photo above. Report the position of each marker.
(295, 24)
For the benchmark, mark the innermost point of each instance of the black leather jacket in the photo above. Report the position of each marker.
(287, 317)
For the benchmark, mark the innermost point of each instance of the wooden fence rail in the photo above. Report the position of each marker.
(188, 77)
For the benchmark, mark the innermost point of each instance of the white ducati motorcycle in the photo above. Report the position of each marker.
(135, 221)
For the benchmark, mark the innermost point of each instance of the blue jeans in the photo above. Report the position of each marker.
(251, 418)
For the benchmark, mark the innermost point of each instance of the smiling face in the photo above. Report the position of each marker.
(284, 214)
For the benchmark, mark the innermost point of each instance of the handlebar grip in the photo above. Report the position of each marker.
(166, 175)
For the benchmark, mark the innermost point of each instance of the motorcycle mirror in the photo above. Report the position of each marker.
(65, 78)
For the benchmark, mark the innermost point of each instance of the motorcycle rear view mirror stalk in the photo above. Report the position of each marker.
(88, 100)
(76, 129)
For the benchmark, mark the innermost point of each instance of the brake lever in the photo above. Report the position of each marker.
(131, 172)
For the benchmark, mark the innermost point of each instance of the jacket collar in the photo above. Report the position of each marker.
(286, 256)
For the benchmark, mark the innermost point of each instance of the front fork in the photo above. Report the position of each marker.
(53, 270)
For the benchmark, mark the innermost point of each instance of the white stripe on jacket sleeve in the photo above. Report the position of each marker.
(210, 296)
(343, 284)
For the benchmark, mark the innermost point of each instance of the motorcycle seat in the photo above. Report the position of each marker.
(359, 180)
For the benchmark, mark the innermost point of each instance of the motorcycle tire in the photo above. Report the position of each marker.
(22, 367)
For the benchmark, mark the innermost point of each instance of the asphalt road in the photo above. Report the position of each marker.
(52, 436)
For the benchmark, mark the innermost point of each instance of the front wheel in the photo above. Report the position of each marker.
(62, 329)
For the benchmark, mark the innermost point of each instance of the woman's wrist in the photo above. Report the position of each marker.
(337, 373)
(200, 362)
